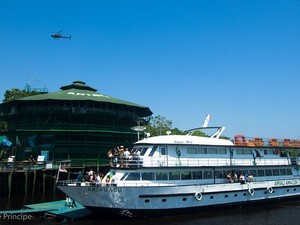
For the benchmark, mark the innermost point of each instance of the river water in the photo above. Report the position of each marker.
(280, 213)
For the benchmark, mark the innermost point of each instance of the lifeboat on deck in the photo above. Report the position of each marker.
(240, 140)
(273, 142)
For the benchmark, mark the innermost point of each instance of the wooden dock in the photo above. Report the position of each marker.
(57, 209)
(26, 177)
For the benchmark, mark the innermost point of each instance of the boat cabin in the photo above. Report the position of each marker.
(193, 151)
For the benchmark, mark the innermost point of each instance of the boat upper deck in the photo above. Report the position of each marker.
(189, 150)
(185, 140)
(239, 140)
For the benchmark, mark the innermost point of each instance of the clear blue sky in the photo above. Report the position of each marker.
(238, 60)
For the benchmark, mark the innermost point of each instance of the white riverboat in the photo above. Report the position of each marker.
(174, 174)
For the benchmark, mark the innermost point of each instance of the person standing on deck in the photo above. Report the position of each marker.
(121, 154)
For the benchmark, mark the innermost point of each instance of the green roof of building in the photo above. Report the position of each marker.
(79, 91)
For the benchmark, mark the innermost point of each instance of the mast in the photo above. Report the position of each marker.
(205, 123)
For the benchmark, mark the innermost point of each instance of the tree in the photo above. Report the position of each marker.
(200, 133)
(158, 125)
(15, 93)
(177, 131)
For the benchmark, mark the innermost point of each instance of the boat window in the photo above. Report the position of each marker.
(123, 177)
(163, 150)
(275, 172)
(191, 150)
(161, 176)
(197, 175)
(273, 152)
(253, 173)
(207, 175)
(212, 151)
(282, 153)
(219, 174)
(222, 151)
(153, 150)
(134, 149)
(289, 172)
(239, 151)
(242, 151)
(148, 176)
(202, 150)
(282, 171)
(133, 176)
(186, 175)
(268, 172)
(138, 150)
(143, 151)
(266, 152)
(247, 151)
(257, 153)
(174, 175)
(260, 173)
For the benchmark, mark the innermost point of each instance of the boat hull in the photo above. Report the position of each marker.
(145, 213)
(130, 202)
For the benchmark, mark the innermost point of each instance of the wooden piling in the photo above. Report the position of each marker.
(54, 183)
(26, 182)
(34, 180)
(12, 180)
(44, 183)
(9, 183)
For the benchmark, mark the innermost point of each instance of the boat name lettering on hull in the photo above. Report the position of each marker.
(105, 189)
(287, 182)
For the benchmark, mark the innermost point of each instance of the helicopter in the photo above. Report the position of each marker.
(59, 35)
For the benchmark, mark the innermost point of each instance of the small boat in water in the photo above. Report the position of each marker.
(176, 174)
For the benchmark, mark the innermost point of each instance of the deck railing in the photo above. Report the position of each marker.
(147, 162)
(25, 165)
(44, 165)
(189, 162)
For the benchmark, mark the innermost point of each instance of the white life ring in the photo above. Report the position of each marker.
(270, 190)
(198, 196)
(251, 191)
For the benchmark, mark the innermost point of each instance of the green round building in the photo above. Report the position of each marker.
(75, 123)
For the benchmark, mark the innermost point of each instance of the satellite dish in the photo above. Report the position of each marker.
(138, 128)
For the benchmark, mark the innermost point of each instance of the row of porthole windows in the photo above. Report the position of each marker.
(212, 197)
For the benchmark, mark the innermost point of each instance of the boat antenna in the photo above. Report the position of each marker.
(205, 123)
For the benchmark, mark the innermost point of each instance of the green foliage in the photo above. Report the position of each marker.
(159, 125)
(199, 133)
(15, 93)
(176, 131)
(3, 126)
(225, 137)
